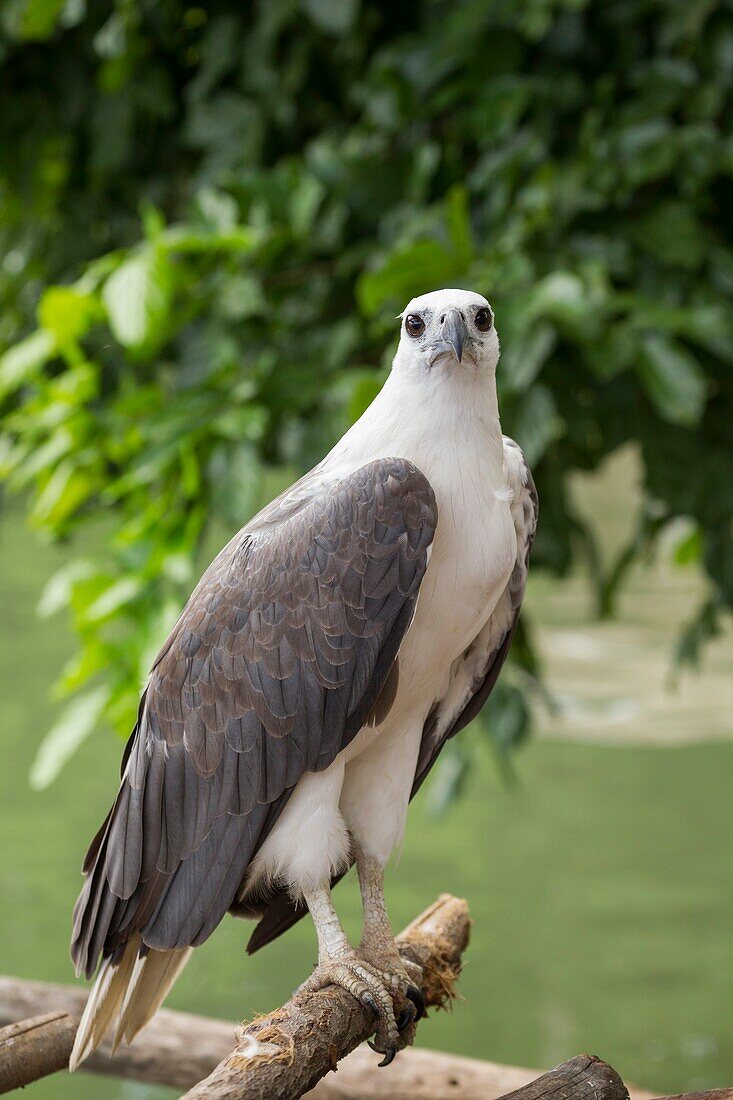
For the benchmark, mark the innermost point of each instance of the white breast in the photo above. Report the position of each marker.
(472, 558)
(453, 436)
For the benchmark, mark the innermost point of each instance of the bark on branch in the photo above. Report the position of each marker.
(285, 1053)
(178, 1048)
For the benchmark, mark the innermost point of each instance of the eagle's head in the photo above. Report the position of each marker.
(448, 330)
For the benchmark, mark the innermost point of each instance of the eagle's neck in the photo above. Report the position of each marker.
(430, 420)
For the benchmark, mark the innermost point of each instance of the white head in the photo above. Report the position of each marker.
(448, 330)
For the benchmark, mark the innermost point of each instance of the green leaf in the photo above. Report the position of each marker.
(183, 238)
(137, 297)
(506, 717)
(74, 725)
(536, 423)
(673, 379)
(67, 313)
(332, 16)
(458, 217)
(416, 269)
(241, 297)
(34, 19)
(36, 460)
(304, 204)
(523, 360)
(217, 208)
(449, 778)
(689, 549)
(57, 592)
(24, 360)
(68, 487)
(117, 596)
(233, 475)
(561, 296)
(362, 394)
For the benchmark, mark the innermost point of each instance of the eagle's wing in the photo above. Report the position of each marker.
(274, 665)
(477, 670)
(473, 677)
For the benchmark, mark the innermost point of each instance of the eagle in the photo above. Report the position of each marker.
(319, 667)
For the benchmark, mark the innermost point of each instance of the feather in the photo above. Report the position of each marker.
(152, 977)
(104, 1001)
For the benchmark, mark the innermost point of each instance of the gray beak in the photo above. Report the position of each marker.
(453, 330)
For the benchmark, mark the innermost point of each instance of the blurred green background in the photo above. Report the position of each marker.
(209, 216)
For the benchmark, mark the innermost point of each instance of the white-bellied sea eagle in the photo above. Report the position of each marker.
(314, 675)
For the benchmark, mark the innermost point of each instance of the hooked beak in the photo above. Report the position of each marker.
(454, 332)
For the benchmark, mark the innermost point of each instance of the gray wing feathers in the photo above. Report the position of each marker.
(272, 668)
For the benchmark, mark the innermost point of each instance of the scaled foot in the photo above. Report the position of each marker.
(403, 979)
(377, 987)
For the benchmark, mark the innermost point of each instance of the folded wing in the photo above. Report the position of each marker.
(273, 667)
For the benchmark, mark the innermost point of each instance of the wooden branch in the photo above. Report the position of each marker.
(175, 1048)
(32, 1048)
(285, 1053)
(419, 1074)
(178, 1048)
(583, 1078)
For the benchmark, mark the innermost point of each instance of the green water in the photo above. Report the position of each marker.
(601, 887)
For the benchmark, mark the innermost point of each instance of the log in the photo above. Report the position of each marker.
(419, 1074)
(583, 1078)
(31, 1048)
(179, 1048)
(175, 1048)
(285, 1053)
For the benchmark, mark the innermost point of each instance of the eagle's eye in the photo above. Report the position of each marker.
(484, 319)
(414, 325)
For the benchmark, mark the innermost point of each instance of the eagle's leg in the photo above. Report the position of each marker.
(378, 946)
(339, 964)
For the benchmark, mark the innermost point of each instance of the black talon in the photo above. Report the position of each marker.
(389, 1054)
(415, 995)
(369, 1001)
(405, 1018)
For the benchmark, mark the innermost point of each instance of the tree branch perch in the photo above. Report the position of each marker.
(285, 1053)
(178, 1048)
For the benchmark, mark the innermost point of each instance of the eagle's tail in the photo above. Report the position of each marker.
(128, 993)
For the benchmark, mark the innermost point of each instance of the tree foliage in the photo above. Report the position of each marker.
(209, 216)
